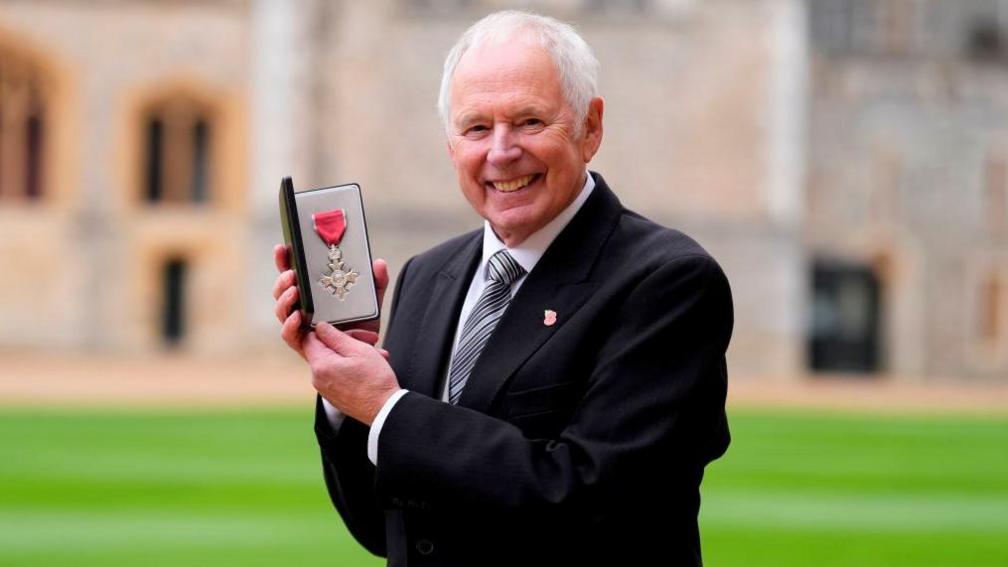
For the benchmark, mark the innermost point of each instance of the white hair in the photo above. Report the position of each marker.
(573, 58)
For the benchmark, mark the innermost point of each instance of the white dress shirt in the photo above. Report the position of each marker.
(527, 254)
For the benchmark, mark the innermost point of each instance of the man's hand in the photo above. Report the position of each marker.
(352, 374)
(285, 293)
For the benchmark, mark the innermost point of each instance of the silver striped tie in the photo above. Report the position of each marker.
(502, 269)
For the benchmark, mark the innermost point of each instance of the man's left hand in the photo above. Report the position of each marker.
(350, 373)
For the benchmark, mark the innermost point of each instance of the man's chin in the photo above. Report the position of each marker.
(512, 229)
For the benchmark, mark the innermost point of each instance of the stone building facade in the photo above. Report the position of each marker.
(907, 179)
(88, 253)
(162, 130)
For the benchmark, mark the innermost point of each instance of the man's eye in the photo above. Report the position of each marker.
(532, 123)
(475, 130)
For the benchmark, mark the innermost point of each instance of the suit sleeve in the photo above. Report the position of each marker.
(653, 407)
(349, 475)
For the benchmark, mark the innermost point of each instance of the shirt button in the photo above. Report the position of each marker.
(425, 547)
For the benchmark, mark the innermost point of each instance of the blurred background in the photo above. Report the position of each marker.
(845, 160)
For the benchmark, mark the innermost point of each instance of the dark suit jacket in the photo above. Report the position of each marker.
(580, 443)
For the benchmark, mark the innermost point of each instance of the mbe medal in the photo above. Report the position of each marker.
(326, 236)
(330, 226)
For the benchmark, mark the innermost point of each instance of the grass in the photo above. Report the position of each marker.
(168, 488)
(826, 490)
(242, 487)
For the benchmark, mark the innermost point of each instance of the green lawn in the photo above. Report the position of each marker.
(825, 490)
(242, 487)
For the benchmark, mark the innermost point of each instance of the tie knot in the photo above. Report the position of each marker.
(503, 268)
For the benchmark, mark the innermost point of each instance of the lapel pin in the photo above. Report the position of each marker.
(549, 318)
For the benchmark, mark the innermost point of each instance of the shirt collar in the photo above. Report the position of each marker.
(528, 253)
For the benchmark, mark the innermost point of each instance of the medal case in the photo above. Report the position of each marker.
(336, 286)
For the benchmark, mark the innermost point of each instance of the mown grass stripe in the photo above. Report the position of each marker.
(243, 487)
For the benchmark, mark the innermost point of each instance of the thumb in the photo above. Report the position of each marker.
(363, 335)
(336, 340)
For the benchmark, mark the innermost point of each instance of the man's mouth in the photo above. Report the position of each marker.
(513, 184)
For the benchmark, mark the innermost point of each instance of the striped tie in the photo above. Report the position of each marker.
(502, 270)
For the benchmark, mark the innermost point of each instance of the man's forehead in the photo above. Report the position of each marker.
(476, 98)
(514, 79)
(517, 53)
(505, 67)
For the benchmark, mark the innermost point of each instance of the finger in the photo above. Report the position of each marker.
(337, 340)
(381, 279)
(283, 281)
(285, 303)
(313, 348)
(291, 332)
(281, 257)
(363, 335)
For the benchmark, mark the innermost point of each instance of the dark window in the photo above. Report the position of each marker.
(178, 160)
(200, 159)
(173, 302)
(22, 126)
(985, 42)
(155, 135)
(845, 318)
(33, 167)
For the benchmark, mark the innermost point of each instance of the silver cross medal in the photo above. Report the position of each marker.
(340, 278)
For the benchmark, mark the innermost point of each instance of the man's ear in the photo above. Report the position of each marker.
(592, 129)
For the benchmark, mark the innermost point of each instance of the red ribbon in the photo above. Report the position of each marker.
(330, 226)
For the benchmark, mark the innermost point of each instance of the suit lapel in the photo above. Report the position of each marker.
(559, 282)
(437, 329)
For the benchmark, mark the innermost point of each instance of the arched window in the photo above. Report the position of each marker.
(22, 129)
(177, 141)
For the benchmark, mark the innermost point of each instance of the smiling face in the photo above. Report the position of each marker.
(513, 137)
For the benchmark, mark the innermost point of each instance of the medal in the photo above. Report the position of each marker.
(330, 226)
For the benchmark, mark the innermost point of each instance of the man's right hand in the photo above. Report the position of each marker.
(286, 294)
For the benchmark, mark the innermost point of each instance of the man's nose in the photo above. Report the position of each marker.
(503, 148)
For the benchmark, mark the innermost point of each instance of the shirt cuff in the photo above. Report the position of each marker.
(335, 416)
(376, 425)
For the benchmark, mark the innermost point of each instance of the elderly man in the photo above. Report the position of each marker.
(552, 385)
